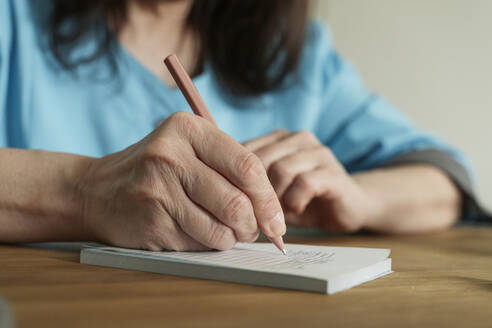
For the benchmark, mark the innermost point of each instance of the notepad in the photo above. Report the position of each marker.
(319, 269)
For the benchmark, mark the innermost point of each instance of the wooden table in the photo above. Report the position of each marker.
(440, 280)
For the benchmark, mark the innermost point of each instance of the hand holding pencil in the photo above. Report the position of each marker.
(186, 186)
(270, 225)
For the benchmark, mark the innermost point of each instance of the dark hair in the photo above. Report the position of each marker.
(252, 45)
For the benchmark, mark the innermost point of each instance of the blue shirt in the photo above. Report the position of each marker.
(95, 113)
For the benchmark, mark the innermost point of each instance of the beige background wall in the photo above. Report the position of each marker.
(432, 58)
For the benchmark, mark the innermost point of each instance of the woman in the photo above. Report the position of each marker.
(83, 82)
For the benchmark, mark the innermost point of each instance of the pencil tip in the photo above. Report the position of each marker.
(284, 251)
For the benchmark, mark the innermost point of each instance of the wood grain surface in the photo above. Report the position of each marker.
(440, 280)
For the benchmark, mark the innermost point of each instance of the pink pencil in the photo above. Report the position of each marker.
(198, 106)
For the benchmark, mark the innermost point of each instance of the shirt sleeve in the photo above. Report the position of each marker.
(365, 131)
(6, 26)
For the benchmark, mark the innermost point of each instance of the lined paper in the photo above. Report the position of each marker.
(306, 260)
(257, 259)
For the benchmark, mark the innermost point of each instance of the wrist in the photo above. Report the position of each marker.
(374, 206)
(75, 195)
(94, 184)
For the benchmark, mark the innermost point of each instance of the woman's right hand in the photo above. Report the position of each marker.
(186, 186)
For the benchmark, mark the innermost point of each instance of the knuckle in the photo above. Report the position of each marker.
(175, 245)
(156, 150)
(249, 166)
(183, 122)
(150, 153)
(163, 242)
(188, 181)
(162, 158)
(221, 237)
(280, 170)
(171, 239)
(303, 182)
(236, 208)
(250, 238)
(147, 197)
(308, 136)
(166, 235)
(178, 117)
(296, 206)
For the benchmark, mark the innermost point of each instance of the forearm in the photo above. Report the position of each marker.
(38, 196)
(408, 199)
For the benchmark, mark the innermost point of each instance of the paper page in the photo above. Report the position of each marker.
(305, 260)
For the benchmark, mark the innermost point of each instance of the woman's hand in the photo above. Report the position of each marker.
(313, 187)
(186, 186)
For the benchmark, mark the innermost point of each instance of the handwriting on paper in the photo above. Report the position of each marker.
(258, 259)
(250, 259)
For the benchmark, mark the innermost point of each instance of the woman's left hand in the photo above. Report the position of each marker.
(313, 187)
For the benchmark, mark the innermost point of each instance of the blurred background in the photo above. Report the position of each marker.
(433, 59)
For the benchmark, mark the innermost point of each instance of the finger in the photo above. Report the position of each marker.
(238, 165)
(310, 217)
(283, 171)
(287, 146)
(293, 219)
(157, 229)
(309, 185)
(260, 142)
(223, 200)
(199, 224)
(300, 220)
(172, 237)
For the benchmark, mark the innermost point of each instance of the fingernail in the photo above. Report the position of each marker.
(277, 226)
